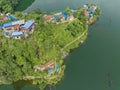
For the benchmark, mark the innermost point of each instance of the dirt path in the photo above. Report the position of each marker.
(74, 40)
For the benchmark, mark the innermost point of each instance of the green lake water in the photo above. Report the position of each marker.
(95, 65)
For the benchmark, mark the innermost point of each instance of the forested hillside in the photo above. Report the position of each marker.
(49, 42)
(8, 5)
(12, 5)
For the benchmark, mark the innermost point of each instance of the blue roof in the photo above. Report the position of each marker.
(50, 70)
(12, 18)
(17, 33)
(91, 11)
(28, 24)
(7, 24)
(57, 68)
(56, 17)
(64, 15)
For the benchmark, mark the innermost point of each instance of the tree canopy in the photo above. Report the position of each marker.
(13, 5)
(18, 57)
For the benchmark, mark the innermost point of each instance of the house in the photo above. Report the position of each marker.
(94, 7)
(13, 25)
(49, 18)
(16, 27)
(12, 18)
(85, 6)
(5, 25)
(29, 26)
(86, 13)
(19, 22)
(52, 18)
(48, 65)
(17, 34)
(56, 17)
(91, 11)
(64, 15)
(71, 18)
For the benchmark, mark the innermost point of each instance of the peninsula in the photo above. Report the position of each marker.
(33, 45)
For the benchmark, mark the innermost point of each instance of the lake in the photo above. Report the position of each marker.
(95, 65)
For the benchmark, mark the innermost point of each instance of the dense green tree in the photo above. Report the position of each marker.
(7, 5)
(18, 57)
(67, 10)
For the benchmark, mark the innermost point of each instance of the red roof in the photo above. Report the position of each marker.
(16, 27)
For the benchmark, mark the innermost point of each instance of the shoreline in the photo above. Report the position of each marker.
(76, 39)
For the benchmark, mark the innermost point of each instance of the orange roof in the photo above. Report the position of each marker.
(86, 13)
(16, 27)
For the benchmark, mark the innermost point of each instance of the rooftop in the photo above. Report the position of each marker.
(9, 24)
(17, 33)
(64, 15)
(28, 24)
(12, 18)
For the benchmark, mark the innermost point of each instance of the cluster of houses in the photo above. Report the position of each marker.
(61, 16)
(8, 16)
(18, 28)
(89, 12)
(50, 67)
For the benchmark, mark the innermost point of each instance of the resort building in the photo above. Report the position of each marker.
(46, 66)
(53, 18)
(18, 28)
(13, 25)
(17, 34)
(50, 67)
(71, 17)
(89, 12)
(28, 27)
(12, 18)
